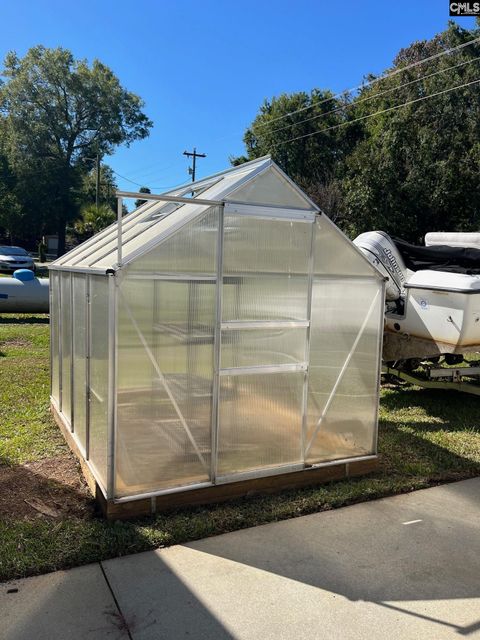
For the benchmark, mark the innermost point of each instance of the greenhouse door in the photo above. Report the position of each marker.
(263, 340)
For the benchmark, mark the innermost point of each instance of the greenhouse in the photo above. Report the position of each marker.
(221, 333)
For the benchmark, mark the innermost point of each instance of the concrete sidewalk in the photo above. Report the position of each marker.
(406, 567)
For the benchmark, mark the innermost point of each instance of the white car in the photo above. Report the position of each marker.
(13, 258)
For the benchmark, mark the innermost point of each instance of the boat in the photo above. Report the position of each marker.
(432, 296)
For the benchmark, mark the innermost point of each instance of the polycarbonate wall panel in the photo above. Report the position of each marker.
(260, 421)
(165, 380)
(341, 419)
(265, 246)
(272, 189)
(66, 344)
(54, 334)
(255, 347)
(192, 249)
(99, 381)
(264, 297)
(335, 254)
(265, 270)
(134, 369)
(79, 293)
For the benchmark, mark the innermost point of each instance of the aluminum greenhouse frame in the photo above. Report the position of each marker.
(222, 338)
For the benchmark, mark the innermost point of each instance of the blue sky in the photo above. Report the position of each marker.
(203, 67)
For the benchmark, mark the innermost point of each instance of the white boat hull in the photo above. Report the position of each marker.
(442, 311)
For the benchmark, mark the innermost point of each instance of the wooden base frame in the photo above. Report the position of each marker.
(217, 493)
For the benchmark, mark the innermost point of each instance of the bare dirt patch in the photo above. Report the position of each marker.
(51, 488)
(16, 342)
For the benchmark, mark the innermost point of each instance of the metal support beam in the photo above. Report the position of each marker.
(164, 198)
(119, 231)
(72, 341)
(111, 398)
(241, 325)
(60, 344)
(217, 348)
(264, 368)
(311, 267)
(87, 367)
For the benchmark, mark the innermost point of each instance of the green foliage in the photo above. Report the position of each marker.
(405, 171)
(10, 210)
(93, 220)
(58, 112)
(138, 203)
(313, 161)
(415, 169)
(108, 185)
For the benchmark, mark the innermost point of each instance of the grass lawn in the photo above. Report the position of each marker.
(426, 437)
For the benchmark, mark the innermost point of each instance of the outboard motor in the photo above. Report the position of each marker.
(381, 251)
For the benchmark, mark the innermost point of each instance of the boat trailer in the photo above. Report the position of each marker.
(465, 379)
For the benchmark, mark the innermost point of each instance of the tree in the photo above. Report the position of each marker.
(93, 220)
(371, 165)
(138, 203)
(289, 128)
(108, 185)
(416, 168)
(57, 113)
(9, 207)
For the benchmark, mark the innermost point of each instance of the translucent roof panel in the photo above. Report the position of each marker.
(154, 221)
(191, 250)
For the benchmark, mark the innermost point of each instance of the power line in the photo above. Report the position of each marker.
(373, 97)
(127, 179)
(138, 184)
(377, 113)
(146, 171)
(349, 91)
(369, 83)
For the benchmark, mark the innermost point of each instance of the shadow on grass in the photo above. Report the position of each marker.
(24, 319)
(449, 409)
(413, 456)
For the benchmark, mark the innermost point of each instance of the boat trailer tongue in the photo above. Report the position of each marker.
(465, 378)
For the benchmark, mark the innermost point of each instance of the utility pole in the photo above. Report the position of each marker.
(97, 189)
(194, 155)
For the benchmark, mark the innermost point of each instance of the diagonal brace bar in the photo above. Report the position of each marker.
(158, 371)
(342, 373)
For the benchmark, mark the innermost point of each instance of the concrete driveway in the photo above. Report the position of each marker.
(406, 567)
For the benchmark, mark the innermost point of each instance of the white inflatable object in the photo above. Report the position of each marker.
(24, 293)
